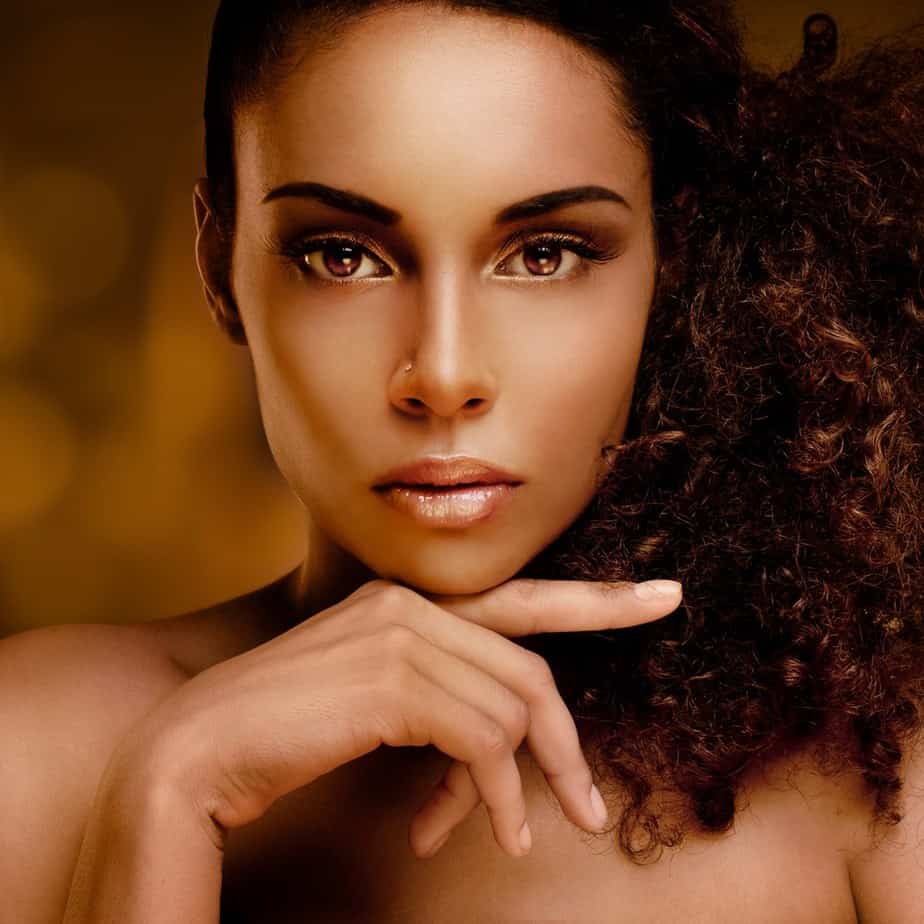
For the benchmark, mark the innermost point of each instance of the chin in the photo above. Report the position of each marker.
(451, 581)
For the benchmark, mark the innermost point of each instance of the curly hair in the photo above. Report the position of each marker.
(774, 454)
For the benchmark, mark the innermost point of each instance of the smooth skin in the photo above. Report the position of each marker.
(524, 354)
(521, 356)
(390, 666)
(393, 633)
(533, 371)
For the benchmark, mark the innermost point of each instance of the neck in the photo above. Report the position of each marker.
(327, 575)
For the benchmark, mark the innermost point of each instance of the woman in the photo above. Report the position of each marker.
(676, 309)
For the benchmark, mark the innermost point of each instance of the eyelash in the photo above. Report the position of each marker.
(585, 247)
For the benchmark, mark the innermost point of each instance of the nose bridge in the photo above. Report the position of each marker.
(444, 316)
(450, 351)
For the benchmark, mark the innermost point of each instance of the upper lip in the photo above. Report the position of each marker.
(447, 470)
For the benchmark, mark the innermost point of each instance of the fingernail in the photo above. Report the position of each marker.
(598, 805)
(652, 589)
(526, 838)
(436, 846)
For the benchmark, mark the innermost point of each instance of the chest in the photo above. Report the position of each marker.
(338, 851)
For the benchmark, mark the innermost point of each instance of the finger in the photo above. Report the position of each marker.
(548, 727)
(470, 682)
(526, 606)
(457, 796)
(453, 799)
(525, 676)
(434, 716)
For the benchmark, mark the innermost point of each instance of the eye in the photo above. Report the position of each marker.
(541, 255)
(340, 260)
(336, 260)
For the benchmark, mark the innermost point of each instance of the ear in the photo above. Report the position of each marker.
(213, 258)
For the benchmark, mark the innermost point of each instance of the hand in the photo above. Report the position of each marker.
(557, 751)
(387, 665)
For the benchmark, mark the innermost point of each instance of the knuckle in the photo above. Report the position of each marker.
(492, 738)
(370, 592)
(393, 597)
(373, 586)
(522, 719)
(397, 639)
(539, 675)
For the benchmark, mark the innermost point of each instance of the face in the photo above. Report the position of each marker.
(524, 333)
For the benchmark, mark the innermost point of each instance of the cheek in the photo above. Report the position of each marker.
(581, 388)
(589, 363)
(294, 373)
(569, 414)
(588, 396)
(321, 396)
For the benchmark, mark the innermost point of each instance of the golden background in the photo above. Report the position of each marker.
(135, 480)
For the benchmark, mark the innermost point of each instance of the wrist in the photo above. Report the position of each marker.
(153, 778)
(150, 855)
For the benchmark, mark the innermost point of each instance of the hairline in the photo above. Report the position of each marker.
(297, 47)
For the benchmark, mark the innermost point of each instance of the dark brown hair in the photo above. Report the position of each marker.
(774, 455)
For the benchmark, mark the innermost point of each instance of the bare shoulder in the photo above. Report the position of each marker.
(68, 694)
(887, 875)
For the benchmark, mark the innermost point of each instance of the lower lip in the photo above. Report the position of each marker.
(456, 506)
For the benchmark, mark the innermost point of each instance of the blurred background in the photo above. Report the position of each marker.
(135, 480)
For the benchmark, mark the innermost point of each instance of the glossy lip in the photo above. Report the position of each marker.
(453, 507)
(446, 470)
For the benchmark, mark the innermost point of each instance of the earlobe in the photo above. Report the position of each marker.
(213, 264)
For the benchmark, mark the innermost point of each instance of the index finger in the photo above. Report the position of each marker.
(530, 606)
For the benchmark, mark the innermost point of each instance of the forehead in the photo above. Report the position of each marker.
(439, 100)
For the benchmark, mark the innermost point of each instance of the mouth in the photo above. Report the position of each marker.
(449, 505)
(437, 473)
(442, 488)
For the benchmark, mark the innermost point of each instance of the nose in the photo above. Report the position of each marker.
(451, 365)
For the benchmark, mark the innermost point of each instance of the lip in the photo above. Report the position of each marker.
(446, 470)
(452, 507)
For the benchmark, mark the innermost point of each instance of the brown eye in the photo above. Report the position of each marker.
(337, 259)
(548, 255)
(334, 259)
(542, 259)
(341, 259)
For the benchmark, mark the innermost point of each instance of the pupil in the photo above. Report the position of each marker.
(544, 264)
(349, 258)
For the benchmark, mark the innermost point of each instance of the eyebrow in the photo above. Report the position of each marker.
(362, 205)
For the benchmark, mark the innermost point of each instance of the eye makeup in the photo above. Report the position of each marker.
(588, 245)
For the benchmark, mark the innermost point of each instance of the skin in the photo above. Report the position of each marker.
(336, 405)
(532, 372)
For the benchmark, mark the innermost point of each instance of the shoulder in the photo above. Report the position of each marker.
(887, 874)
(85, 681)
(68, 694)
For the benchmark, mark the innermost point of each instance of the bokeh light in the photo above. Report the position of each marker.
(73, 227)
(39, 454)
(23, 294)
(136, 481)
